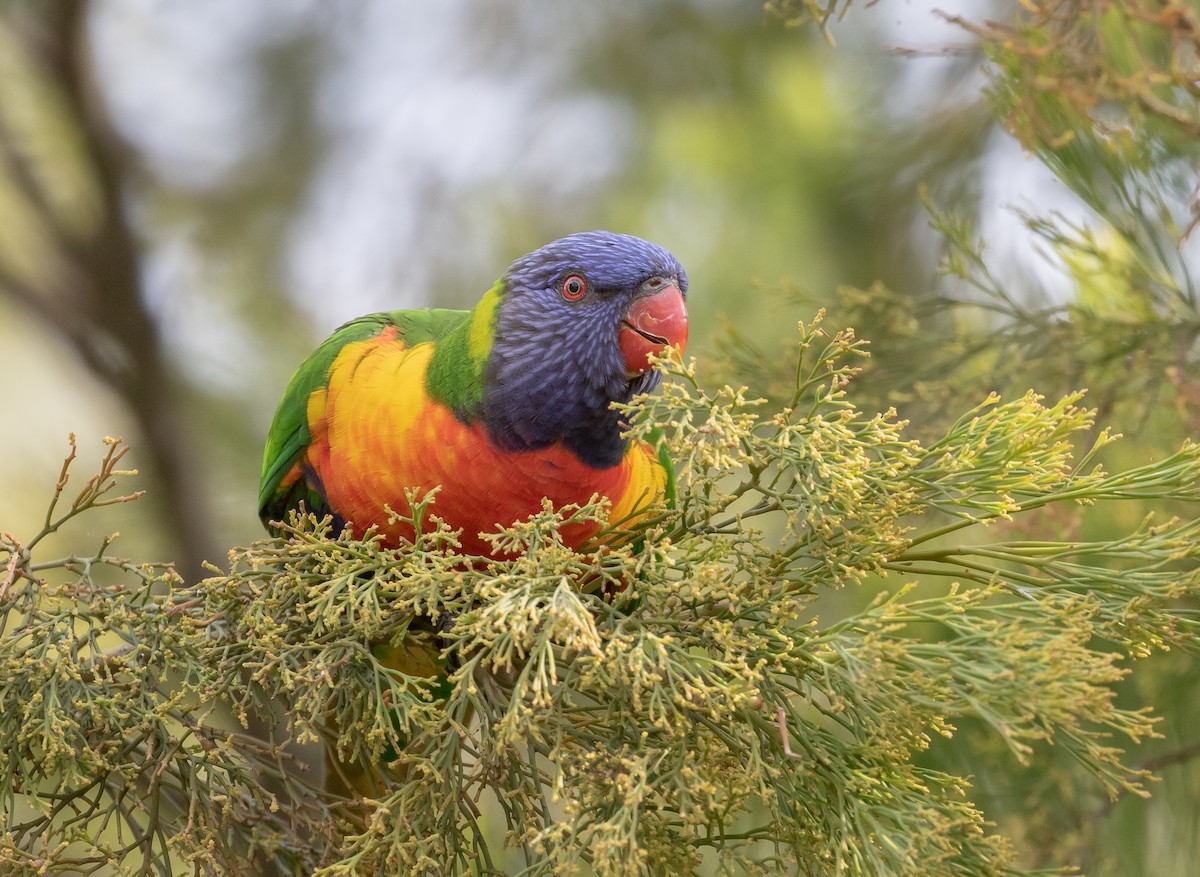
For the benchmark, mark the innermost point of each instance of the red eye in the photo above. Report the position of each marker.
(574, 287)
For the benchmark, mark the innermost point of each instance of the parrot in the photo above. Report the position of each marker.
(499, 408)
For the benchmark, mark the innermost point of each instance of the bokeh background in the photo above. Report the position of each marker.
(269, 170)
(193, 195)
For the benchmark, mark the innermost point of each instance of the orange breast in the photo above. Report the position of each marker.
(375, 432)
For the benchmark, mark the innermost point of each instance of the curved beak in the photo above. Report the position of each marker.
(656, 320)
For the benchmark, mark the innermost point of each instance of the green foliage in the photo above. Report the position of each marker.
(795, 13)
(852, 641)
(700, 703)
(109, 764)
(1105, 95)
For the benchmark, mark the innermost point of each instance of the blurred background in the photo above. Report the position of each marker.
(192, 196)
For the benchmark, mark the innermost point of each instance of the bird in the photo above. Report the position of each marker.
(499, 408)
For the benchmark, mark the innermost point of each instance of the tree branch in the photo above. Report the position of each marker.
(99, 309)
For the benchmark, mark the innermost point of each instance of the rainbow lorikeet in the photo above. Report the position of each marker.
(500, 406)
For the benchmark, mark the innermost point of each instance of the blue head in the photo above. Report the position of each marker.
(572, 332)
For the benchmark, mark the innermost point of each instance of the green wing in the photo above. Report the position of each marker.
(289, 435)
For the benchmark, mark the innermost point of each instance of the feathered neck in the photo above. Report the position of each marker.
(547, 382)
(555, 385)
(456, 370)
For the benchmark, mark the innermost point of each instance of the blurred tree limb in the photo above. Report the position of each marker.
(69, 251)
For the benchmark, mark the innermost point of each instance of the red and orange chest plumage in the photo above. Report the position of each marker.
(375, 432)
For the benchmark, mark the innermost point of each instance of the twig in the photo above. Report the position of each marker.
(15, 561)
(781, 716)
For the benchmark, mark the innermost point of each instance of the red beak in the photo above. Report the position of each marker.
(652, 324)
